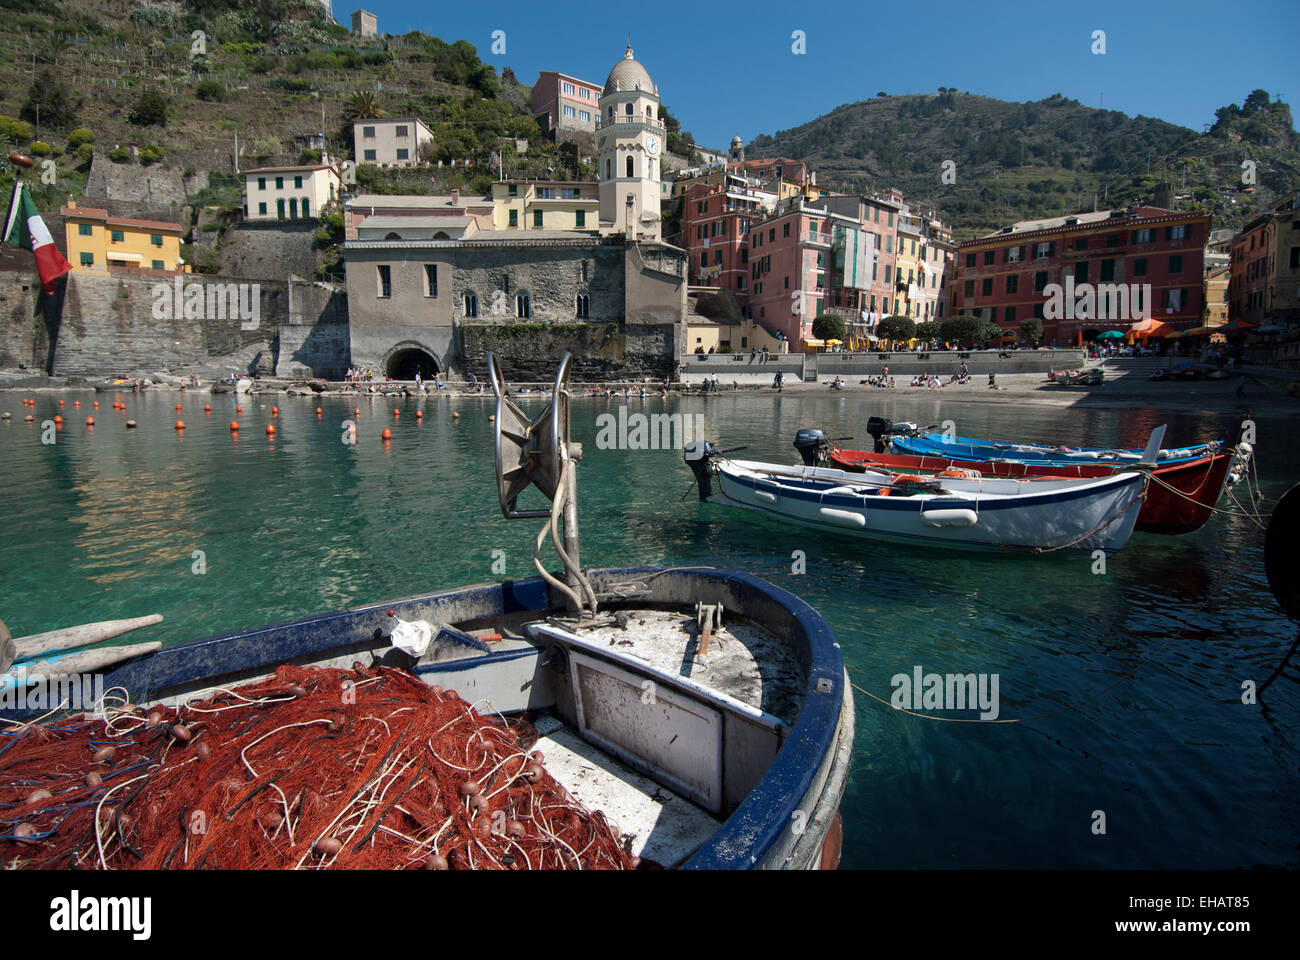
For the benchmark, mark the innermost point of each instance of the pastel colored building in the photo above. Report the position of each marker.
(792, 261)
(1264, 287)
(402, 142)
(716, 219)
(1015, 273)
(290, 193)
(98, 241)
(545, 205)
(565, 102)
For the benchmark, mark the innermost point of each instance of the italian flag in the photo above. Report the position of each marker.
(25, 228)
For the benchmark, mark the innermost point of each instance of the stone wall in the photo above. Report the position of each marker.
(109, 325)
(155, 184)
(269, 250)
(315, 339)
(27, 317)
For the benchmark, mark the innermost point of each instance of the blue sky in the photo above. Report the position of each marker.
(728, 68)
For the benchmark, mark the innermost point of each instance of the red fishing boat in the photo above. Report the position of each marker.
(1180, 499)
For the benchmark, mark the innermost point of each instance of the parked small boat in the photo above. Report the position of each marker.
(704, 711)
(1036, 514)
(908, 438)
(1180, 499)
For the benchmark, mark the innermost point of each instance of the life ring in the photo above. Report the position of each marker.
(906, 478)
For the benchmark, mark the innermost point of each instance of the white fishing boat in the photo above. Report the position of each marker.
(1039, 514)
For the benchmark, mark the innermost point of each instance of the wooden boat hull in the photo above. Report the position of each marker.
(995, 513)
(1164, 511)
(787, 820)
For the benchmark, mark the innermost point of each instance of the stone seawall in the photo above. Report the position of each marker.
(601, 351)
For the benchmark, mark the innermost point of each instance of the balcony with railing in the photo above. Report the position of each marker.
(624, 120)
(817, 237)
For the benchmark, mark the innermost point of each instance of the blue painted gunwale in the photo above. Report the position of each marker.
(740, 843)
(965, 448)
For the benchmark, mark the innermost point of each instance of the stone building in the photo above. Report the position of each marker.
(365, 24)
(432, 305)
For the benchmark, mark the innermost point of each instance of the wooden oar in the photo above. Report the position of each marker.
(69, 638)
(78, 661)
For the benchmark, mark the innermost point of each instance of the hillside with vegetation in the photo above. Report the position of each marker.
(184, 81)
(1018, 161)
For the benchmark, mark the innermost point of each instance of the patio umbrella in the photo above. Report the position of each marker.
(1109, 335)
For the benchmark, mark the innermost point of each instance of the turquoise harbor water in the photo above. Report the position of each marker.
(1138, 672)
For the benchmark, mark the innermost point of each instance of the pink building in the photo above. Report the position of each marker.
(716, 219)
(567, 102)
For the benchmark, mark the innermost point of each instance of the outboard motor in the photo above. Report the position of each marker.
(880, 428)
(812, 446)
(697, 454)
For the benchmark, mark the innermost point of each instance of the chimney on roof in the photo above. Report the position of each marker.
(455, 196)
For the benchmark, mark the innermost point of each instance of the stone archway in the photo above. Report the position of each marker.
(407, 359)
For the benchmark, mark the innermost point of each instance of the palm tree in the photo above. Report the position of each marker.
(53, 46)
(361, 105)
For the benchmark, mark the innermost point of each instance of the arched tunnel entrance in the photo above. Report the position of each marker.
(405, 363)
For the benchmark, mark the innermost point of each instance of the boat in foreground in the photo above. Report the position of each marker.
(705, 712)
(1038, 514)
(1181, 498)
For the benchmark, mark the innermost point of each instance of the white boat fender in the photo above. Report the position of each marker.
(842, 518)
(951, 517)
(412, 636)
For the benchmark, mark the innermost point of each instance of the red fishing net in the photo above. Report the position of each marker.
(315, 768)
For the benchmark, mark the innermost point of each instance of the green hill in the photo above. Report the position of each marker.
(1016, 161)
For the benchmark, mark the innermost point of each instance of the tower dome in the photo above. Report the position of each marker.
(628, 74)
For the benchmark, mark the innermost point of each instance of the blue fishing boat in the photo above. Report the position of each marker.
(908, 438)
(704, 711)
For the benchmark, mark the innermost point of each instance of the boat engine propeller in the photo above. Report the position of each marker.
(538, 452)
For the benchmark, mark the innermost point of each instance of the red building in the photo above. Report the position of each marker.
(1117, 265)
(716, 219)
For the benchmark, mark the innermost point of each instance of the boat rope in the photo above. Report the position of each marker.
(1097, 529)
(1040, 716)
(1241, 512)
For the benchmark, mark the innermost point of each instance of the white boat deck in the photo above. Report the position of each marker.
(656, 823)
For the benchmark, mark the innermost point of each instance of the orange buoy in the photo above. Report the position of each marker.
(270, 430)
(387, 434)
(178, 406)
(60, 403)
(234, 426)
(419, 414)
(76, 403)
(180, 424)
(29, 418)
(275, 411)
(493, 417)
(130, 424)
(207, 408)
(319, 411)
(239, 409)
(57, 418)
(96, 404)
(396, 412)
(455, 416)
(356, 411)
(90, 421)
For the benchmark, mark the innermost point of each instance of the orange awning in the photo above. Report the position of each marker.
(1150, 327)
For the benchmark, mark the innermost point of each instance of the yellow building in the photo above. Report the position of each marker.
(98, 241)
(1216, 295)
(545, 205)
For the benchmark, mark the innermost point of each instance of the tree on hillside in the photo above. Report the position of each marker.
(361, 105)
(829, 326)
(150, 110)
(49, 103)
(896, 328)
(1257, 100)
